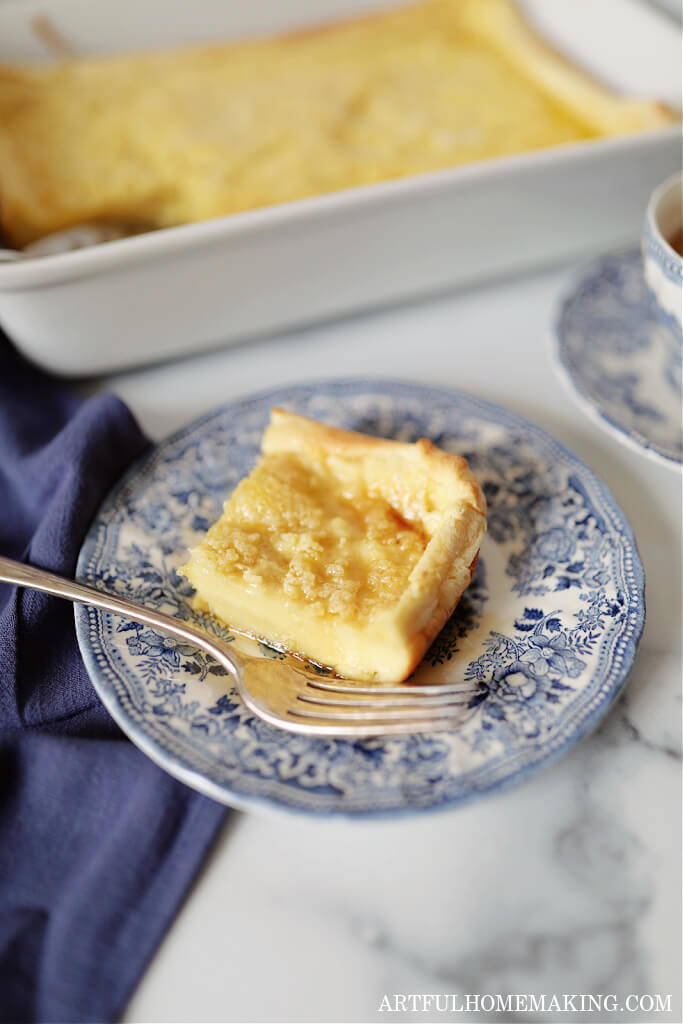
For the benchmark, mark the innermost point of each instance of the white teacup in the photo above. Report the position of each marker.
(663, 265)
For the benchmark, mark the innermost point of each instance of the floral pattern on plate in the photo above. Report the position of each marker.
(548, 627)
(621, 360)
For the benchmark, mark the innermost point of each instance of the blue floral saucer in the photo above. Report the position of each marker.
(549, 626)
(622, 363)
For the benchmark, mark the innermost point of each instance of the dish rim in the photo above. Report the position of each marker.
(652, 216)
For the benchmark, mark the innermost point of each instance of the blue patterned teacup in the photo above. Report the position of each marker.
(662, 262)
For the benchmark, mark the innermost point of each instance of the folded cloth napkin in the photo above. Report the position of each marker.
(97, 845)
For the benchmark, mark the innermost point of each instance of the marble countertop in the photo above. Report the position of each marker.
(568, 884)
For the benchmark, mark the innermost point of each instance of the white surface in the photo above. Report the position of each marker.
(187, 288)
(568, 884)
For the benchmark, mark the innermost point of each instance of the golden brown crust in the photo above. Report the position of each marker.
(447, 602)
(503, 25)
(445, 569)
(291, 432)
(374, 627)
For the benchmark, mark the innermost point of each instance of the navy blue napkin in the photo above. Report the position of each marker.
(98, 846)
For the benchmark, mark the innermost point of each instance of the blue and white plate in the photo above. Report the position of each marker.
(549, 625)
(621, 361)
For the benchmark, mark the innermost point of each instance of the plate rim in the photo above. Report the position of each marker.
(616, 677)
(633, 439)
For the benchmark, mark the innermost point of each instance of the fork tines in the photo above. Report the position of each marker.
(367, 704)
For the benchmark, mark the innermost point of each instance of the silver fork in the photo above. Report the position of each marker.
(290, 698)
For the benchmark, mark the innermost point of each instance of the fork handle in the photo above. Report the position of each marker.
(59, 586)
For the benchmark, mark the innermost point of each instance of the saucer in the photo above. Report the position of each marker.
(622, 363)
(548, 627)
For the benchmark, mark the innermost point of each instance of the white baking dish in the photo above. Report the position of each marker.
(176, 291)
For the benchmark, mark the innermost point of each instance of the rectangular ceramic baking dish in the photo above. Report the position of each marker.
(180, 290)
